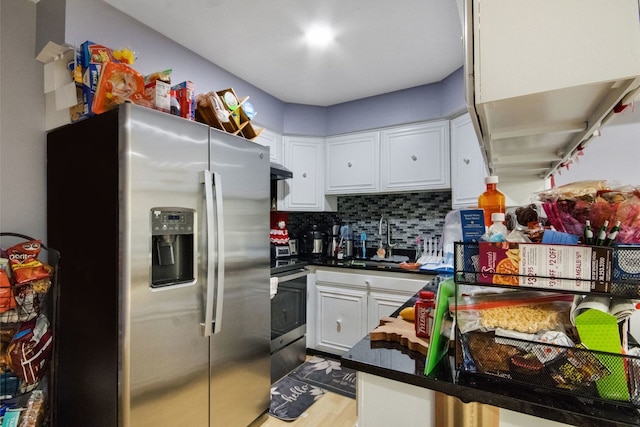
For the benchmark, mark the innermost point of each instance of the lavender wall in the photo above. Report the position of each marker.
(99, 22)
(453, 94)
(421, 103)
(305, 120)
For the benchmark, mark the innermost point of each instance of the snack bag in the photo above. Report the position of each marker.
(30, 349)
(23, 259)
(7, 301)
(118, 83)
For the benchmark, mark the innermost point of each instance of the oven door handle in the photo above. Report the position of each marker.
(298, 274)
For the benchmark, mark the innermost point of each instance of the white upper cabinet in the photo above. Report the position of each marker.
(274, 142)
(353, 163)
(304, 156)
(542, 76)
(467, 164)
(415, 157)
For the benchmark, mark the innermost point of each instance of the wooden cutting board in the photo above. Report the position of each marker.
(398, 330)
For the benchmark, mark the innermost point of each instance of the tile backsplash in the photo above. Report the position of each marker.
(411, 215)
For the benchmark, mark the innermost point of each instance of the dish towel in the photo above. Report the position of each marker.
(273, 282)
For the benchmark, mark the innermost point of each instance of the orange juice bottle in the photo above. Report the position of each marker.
(492, 200)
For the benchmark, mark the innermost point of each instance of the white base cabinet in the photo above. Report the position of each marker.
(418, 406)
(385, 402)
(343, 306)
(342, 319)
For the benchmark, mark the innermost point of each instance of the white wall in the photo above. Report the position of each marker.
(22, 138)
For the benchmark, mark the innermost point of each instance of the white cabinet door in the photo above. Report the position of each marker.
(415, 157)
(272, 140)
(382, 304)
(342, 317)
(304, 156)
(345, 305)
(467, 164)
(353, 163)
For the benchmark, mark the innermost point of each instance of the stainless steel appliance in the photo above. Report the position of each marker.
(313, 242)
(288, 316)
(163, 318)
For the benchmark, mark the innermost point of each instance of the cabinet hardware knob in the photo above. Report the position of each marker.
(304, 174)
(414, 158)
(338, 325)
(368, 283)
(349, 164)
(466, 161)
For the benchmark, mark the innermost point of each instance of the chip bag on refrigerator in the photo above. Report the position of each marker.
(118, 83)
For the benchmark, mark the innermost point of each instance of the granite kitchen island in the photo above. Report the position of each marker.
(392, 366)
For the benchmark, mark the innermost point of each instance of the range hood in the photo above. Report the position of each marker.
(541, 82)
(280, 172)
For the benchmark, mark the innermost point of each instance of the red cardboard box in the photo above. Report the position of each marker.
(185, 96)
(567, 267)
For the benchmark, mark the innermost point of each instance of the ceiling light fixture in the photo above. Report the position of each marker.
(319, 36)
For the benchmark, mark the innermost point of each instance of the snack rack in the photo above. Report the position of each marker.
(14, 391)
(543, 366)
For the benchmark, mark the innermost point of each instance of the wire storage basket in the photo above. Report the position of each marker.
(500, 329)
(620, 278)
(29, 274)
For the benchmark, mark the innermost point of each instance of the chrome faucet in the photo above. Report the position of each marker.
(389, 247)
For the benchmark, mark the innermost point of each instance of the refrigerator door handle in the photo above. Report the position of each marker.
(210, 231)
(213, 180)
(217, 185)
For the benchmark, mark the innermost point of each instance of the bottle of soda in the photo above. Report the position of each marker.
(492, 200)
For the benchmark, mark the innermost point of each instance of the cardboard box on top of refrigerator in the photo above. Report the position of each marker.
(89, 59)
(184, 93)
(158, 93)
(566, 267)
(93, 53)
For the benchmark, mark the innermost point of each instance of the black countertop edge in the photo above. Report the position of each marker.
(354, 265)
(392, 361)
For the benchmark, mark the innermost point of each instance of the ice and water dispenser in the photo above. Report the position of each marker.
(172, 246)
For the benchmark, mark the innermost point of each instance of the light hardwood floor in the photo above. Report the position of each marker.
(331, 410)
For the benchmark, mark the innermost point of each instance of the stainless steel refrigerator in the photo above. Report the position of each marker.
(163, 312)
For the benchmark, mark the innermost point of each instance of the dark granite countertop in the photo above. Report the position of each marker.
(360, 264)
(392, 361)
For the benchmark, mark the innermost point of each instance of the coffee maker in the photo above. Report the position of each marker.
(313, 241)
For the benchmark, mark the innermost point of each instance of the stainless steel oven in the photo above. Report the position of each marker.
(288, 318)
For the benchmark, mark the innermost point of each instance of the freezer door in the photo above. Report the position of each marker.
(240, 344)
(164, 355)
